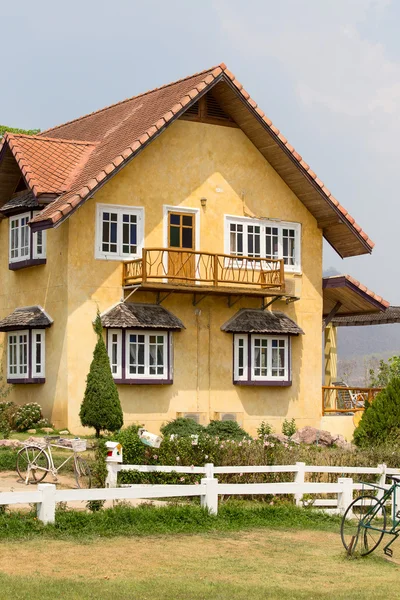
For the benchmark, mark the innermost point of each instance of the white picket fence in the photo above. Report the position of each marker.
(47, 496)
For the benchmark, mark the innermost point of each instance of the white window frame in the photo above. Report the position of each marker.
(245, 341)
(120, 210)
(18, 247)
(33, 239)
(269, 376)
(263, 224)
(30, 355)
(110, 334)
(146, 374)
(42, 372)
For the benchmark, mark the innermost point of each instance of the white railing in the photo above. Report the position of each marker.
(47, 496)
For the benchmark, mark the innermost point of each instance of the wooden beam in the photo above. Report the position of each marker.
(329, 317)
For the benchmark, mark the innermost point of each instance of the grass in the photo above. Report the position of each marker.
(147, 519)
(259, 563)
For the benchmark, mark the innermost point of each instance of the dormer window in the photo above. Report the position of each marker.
(25, 247)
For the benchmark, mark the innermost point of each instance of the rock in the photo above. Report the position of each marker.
(340, 441)
(280, 437)
(31, 431)
(11, 444)
(36, 440)
(64, 432)
(47, 429)
(312, 435)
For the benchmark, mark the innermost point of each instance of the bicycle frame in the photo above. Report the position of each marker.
(53, 469)
(365, 522)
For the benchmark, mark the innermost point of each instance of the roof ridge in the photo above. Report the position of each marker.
(50, 139)
(95, 112)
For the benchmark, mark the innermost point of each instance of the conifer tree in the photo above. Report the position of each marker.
(101, 407)
(381, 419)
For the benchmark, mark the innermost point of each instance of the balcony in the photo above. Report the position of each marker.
(204, 272)
(341, 399)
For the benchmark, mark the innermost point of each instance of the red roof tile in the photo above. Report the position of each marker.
(123, 129)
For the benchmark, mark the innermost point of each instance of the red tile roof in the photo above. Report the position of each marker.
(48, 165)
(342, 280)
(122, 130)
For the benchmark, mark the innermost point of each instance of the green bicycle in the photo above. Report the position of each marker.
(365, 521)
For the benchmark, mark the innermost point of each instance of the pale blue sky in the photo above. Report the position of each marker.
(327, 72)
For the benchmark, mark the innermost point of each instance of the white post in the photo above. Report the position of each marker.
(112, 475)
(209, 468)
(210, 499)
(46, 509)
(299, 478)
(345, 497)
(381, 482)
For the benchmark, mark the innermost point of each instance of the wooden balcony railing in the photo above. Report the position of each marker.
(337, 399)
(182, 267)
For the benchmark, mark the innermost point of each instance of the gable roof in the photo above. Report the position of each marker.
(48, 165)
(122, 130)
(26, 317)
(253, 320)
(349, 296)
(128, 315)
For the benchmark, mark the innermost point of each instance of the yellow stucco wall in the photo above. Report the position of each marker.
(189, 161)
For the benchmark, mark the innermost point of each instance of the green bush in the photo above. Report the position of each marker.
(226, 430)
(101, 407)
(380, 421)
(182, 427)
(289, 427)
(27, 416)
(134, 451)
(264, 430)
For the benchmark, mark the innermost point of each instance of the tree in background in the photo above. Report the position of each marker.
(385, 372)
(380, 422)
(101, 407)
(4, 128)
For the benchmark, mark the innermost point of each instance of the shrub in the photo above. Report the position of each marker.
(386, 372)
(27, 416)
(133, 448)
(264, 430)
(7, 410)
(101, 407)
(381, 419)
(289, 427)
(226, 430)
(182, 427)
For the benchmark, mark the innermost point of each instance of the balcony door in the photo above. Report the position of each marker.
(181, 240)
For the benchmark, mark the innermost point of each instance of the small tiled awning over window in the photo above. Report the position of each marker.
(248, 320)
(27, 317)
(23, 201)
(127, 315)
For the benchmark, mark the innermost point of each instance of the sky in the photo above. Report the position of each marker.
(326, 72)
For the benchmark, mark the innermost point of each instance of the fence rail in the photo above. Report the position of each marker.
(46, 496)
(186, 267)
(341, 399)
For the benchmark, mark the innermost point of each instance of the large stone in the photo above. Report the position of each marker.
(47, 429)
(64, 432)
(340, 441)
(312, 435)
(31, 431)
(11, 444)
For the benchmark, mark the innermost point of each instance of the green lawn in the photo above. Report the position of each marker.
(258, 564)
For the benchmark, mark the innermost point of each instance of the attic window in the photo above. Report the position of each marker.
(208, 110)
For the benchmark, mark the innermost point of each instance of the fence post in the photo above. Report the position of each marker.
(209, 470)
(381, 482)
(46, 509)
(112, 475)
(345, 497)
(210, 499)
(299, 478)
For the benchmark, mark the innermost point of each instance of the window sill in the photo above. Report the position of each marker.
(264, 383)
(118, 258)
(143, 381)
(22, 264)
(30, 380)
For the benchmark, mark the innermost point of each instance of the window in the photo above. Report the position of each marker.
(262, 359)
(26, 356)
(140, 356)
(119, 232)
(266, 239)
(25, 246)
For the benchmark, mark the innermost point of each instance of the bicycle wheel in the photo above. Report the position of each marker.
(32, 464)
(83, 475)
(356, 531)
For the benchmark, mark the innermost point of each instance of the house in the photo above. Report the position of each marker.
(190, 222)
